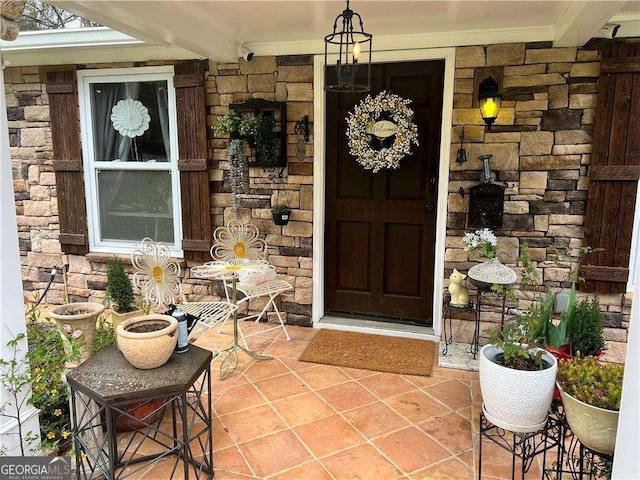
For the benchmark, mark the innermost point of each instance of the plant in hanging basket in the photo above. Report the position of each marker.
(259, 131)
(281, 214)
(228, 123)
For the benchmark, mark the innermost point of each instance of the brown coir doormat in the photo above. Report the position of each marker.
(380, 353)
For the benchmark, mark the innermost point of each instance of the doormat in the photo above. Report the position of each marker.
(381, 353)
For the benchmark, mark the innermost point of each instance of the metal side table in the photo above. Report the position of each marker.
(178, 426)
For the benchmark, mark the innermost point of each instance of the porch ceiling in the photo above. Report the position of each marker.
(215, 28)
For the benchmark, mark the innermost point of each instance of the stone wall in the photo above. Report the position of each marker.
(284, 79)
(541, 147)
(287, 79)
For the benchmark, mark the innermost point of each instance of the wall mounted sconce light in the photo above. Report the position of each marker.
(461, 156)
(352, 45)
(489, 98)
(301, 127)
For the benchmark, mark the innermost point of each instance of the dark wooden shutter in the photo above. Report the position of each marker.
(192, 160)
(67, 160)
(614, 171)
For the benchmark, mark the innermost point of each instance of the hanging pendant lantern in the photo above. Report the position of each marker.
(352, 47)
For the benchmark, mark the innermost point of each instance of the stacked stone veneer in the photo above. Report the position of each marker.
(287, 79)
(541, 145)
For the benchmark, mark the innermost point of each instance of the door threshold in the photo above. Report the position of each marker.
(380, 328)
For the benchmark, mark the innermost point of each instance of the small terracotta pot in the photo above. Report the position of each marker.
(150, 349)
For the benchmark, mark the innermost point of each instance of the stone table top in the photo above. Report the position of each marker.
(109, 378)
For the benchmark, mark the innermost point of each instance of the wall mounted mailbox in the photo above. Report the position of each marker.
(486, 205)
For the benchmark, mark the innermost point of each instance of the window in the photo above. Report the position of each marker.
(130, 157)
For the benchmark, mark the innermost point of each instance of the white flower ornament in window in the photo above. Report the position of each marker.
(238, 241)
(130, 118)
(156, 274)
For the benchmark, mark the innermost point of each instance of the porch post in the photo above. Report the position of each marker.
(625, 460)
(12, 319)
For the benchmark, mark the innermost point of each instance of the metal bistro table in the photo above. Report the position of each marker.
(178, 426)
(230, 270)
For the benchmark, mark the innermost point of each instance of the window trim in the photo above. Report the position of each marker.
(90, 166)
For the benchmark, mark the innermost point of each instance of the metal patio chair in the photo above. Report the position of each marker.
(157, 278)
(238, 241)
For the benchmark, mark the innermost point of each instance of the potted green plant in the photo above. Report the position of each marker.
(229, 123)
(591, 393)
(517, 378)
(259, 133)
(281, 214)
(120, 292)
(585, 331)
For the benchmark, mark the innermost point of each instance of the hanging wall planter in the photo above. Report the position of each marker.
(281, 214)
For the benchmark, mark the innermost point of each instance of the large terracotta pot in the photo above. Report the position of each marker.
(77, 323)
(118, 318)
(595, 427)
(147, 349)
(516, 400)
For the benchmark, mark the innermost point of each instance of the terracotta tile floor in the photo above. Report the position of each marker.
(285, 419)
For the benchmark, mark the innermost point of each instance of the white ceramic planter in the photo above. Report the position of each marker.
(148, 349)
(516, 400)
(595, 427)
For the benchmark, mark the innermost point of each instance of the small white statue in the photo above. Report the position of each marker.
(459, 294)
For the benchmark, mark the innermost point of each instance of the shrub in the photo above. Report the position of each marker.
(584, 328)
(119, 289)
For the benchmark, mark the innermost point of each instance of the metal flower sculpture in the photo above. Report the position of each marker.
(130, 118)
(156, 277)
(238, 241)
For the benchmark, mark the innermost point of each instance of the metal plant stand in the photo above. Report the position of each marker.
(481, 293)
(448, 310)
(577, 460)
(525, 446)
(178, 427)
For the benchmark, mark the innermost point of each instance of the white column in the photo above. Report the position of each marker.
(626, 464)
(12, 318)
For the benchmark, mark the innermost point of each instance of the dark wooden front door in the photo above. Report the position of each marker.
(380, 227)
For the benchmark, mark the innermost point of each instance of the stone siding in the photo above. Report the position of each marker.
(288, 79)
(541, 146)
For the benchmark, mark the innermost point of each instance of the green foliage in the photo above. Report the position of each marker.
(119, 288)
(228, 123)
(519, 344)
(15, 378)
(259, 128)
(584, 329)
(47, 361)
(104, 334)
(592, 382)
(281, 208)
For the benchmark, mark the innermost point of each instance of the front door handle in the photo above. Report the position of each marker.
(430, 207)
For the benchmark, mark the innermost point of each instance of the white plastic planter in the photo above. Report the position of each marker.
(516, 400)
